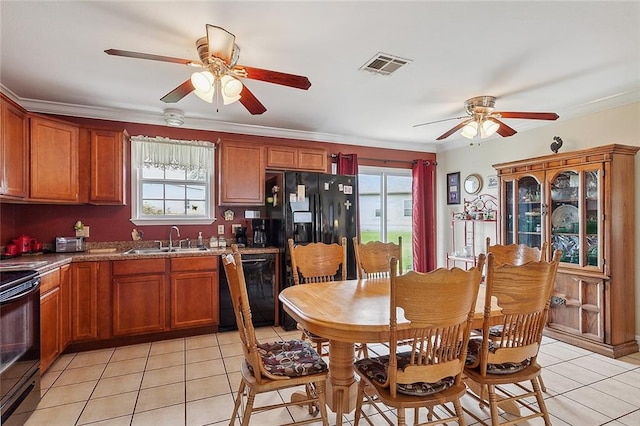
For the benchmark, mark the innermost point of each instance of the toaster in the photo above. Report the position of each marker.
(69, 244)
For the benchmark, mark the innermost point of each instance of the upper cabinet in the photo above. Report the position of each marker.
(241, 175)
(581, 203)
(107, 154)
(55, 160)
(291, 158)
(14, 151)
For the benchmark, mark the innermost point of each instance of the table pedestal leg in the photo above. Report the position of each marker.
(342, 386)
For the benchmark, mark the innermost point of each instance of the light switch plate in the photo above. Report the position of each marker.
(220, 229)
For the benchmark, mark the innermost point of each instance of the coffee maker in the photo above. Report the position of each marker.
(259, 233)
(241, 236)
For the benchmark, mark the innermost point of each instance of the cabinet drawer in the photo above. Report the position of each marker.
(49, 280)
(139, 266)
(200, 263)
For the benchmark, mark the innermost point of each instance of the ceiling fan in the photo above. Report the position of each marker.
(481, 119)
(220, 79)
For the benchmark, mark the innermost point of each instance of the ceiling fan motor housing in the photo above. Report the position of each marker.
(480, 105)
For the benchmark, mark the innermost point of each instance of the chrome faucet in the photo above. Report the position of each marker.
(171, 239)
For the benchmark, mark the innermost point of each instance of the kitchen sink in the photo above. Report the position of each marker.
(166, 250)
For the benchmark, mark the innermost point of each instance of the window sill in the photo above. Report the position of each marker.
(174, 221)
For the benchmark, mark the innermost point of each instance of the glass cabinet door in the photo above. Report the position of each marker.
(574, 213)
(523, 211)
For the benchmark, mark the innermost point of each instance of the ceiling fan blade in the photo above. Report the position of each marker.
(440, 121)
(250, 102)
(220, 43)
(275, 77)
(178, 93)
(138, 55)
(504, 130)
(529, 115)
(455, 129)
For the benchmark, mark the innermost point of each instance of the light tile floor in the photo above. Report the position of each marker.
(191, 381)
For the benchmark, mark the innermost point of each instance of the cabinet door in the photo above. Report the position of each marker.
(14, 149)
(54, 160)
(194, 299)
(139, 304)
(84, 301)
(312, 159)
(107, 176)
(282, 157)
(521, 219)
(575, 214)
(65, 306)
(577, 306)
(241, 174)
(49, 328)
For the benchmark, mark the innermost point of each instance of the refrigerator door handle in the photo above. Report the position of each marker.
(317, 219)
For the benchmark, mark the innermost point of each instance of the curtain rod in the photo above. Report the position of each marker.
(385, 160)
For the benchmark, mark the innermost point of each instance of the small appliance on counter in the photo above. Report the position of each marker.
(241, 236)
(69, 244)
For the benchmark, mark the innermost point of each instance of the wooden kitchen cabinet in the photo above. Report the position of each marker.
(107, 158)
(50, 318)
(292, 158)
(139, 296)
(65, 307)
(241, 173)
(84, 300)
(194, 291)
(54, 160)
(14, 151)
(581, 203)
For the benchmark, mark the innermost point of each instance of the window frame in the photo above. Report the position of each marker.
(137, 181)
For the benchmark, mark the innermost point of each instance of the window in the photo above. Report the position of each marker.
(171, 181)
(385, 198)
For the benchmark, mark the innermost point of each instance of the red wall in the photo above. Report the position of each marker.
(111, 223)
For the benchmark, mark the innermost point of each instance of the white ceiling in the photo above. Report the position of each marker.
(571, 58)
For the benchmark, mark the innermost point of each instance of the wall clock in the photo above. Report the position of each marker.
(473, 184)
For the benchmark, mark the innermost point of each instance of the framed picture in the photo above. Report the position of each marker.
(492, 181)
(453, 188)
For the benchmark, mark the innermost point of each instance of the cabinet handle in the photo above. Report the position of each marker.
(543, 209)
(557, 301)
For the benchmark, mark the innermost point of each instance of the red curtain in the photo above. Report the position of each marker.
(424, 216)
(347, 164)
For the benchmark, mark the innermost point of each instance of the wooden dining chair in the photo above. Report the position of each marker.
(429, 372)
(516, 254)
(316, 263)
(372, 258)
(373, 261)
(523, 294)
(272, 366)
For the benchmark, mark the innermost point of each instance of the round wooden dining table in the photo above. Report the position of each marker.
(346, 313)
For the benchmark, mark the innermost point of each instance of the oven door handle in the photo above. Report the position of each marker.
(24, 293)
(254, 260)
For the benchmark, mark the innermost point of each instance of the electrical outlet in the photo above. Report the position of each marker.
(220, 229)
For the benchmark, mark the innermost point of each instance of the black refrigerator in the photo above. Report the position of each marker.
(315, 207)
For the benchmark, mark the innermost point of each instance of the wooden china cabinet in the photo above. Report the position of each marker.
(582, 203)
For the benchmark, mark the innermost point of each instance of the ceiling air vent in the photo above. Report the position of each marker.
(384, 64)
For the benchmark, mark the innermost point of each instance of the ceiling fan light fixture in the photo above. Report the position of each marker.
(202, 82)
(470, 130)
(231, 87)
(489, 127)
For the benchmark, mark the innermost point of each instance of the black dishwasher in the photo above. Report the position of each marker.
(262, 289)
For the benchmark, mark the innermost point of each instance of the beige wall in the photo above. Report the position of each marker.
(620, 125)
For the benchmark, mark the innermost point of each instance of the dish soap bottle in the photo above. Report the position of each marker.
(200, 243)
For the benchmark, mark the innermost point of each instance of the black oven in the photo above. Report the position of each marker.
(19, 345)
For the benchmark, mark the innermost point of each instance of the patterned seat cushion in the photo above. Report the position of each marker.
(377, 368)
(473, 360)
(291, 358)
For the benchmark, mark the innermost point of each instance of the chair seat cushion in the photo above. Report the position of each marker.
(376, 369)
(291, 358)
(473, 359)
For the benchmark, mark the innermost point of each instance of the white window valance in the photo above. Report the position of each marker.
(164, 152)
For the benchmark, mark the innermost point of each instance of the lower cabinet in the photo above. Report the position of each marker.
(84, 300)
(50, 314)
(139, 297)
(194, 291)
(65, 306)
